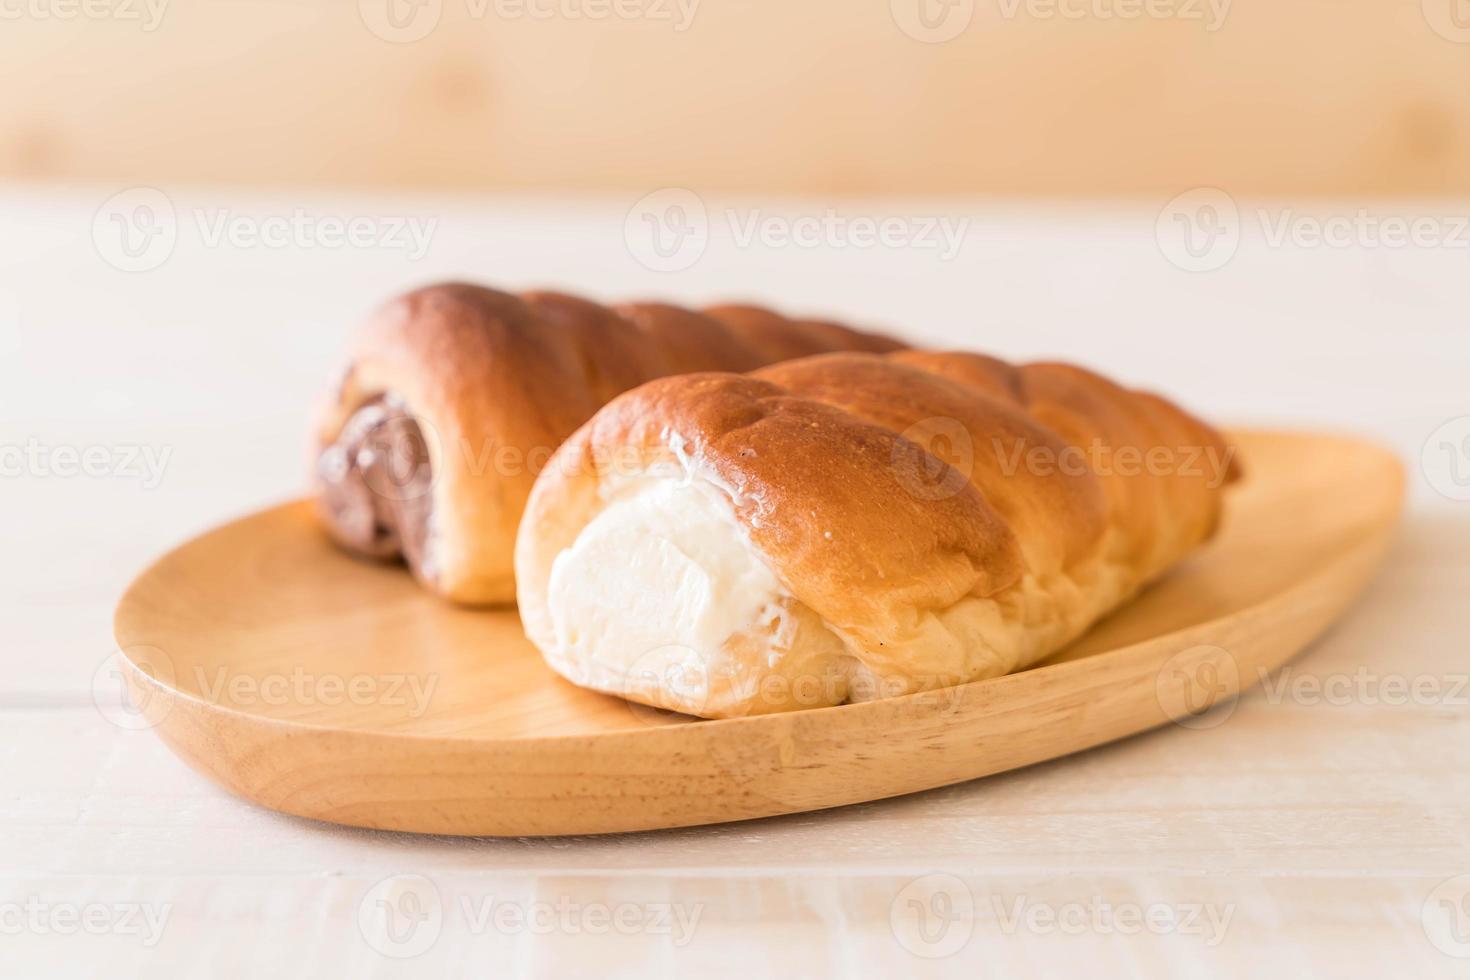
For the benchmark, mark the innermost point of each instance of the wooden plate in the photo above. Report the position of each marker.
(321, 686)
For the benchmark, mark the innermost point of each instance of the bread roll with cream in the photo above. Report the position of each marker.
(456, 395)
(852, 526)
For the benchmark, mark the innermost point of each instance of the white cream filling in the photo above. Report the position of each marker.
(656, 585)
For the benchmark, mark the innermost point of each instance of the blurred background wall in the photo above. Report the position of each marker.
(1043, 97)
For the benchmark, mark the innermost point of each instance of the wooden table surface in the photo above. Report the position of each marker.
(1320, 827)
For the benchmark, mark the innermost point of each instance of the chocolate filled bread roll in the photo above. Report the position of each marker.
(852, 526)
(456, 395)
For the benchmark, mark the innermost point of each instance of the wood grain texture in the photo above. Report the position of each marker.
(825, 97)
(285, 672)
(1327, 824)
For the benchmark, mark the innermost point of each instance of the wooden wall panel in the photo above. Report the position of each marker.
(1064, 97)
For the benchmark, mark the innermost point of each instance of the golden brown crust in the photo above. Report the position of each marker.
(1111, 426)
(862, 532)
(690, 340)
(497, 382)
(982, 438)
(779, 338)
(946, 516)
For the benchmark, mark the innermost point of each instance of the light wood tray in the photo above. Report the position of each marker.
(330, 688)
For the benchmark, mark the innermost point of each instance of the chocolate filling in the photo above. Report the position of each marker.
(374, 484)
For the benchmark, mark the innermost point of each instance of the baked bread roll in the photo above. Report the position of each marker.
(852, 526)
(455, 396)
